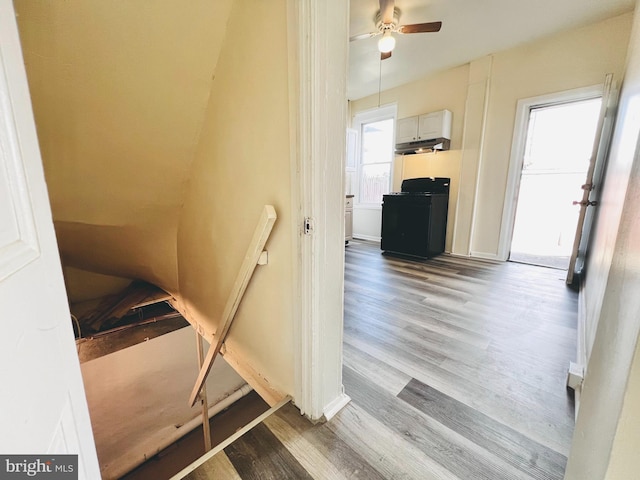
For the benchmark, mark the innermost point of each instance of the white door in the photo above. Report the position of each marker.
(592, 188)
(554, 168)
(43, 409)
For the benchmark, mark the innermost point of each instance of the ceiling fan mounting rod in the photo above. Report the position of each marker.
(383, 27)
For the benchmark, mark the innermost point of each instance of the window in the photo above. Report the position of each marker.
(375, 159)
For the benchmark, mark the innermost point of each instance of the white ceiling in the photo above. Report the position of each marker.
(470, 29)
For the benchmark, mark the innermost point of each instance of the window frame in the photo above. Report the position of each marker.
(360, 119)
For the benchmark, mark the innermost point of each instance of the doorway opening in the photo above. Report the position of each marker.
(558, 147)
(372, 176)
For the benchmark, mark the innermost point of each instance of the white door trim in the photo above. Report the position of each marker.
(517, 153)
(318, 42)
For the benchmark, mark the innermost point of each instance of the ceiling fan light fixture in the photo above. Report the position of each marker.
(387, 42)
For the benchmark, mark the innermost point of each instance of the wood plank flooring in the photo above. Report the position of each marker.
(189, 448)
(456, 369)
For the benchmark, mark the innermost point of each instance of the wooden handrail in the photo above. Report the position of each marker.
(260, 237)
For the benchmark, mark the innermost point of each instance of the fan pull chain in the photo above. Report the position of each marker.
(379, 80)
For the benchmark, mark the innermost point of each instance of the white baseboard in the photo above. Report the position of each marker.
(581, 352)
(335, 406)
(486, 256)
(358, 236)
(457, 255)
(581, 344)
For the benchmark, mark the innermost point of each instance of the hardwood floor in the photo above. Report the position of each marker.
(189, 448)
(456, 369)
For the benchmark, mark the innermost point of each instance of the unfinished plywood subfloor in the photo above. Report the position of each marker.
(138, 396)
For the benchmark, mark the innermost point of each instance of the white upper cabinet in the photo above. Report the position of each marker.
(407, 130)
(435, 125)
(424, 127)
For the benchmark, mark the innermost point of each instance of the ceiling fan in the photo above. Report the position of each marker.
(387, 23)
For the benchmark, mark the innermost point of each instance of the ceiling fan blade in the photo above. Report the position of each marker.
(362, 36)
(384, 56)
(386, 10)
(420, 27)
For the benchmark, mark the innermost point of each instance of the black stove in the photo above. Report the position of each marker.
(414, 220)
(424, 185)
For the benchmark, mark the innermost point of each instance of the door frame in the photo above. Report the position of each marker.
(520, 129)
(318, 48)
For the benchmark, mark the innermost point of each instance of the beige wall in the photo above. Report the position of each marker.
(605, 439)
(83, 285)
(612, 200)
(119, 90)
(242, 163)
(443, 91)
(623, 462)
(164, 129)
(573, 59)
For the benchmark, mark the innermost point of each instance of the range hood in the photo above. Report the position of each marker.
(424, 133)
(423, 146)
